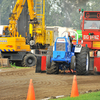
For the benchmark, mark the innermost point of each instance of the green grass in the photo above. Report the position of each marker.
(88, 96)
(19, 67)
(13, 66)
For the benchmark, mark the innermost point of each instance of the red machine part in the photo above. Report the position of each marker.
(90, 35)
(97, 64)
(43, 63)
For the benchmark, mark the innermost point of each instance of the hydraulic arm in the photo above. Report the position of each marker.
(14, 16)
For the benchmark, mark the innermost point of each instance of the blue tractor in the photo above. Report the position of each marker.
(61, 56)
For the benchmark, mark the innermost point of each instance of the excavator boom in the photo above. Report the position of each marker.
(17, 9)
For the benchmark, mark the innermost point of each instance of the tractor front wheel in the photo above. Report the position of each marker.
(53, 69)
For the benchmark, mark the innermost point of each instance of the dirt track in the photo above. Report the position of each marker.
(14, 84)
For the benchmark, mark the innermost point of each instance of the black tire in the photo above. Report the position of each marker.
(73, 62)
(50, 51)
(29, 60)
(48, 58)
(54, 69)
(48, 63)
(82, 61)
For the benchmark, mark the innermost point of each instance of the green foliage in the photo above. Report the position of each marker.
(89, 96)
(58, 12)
(67, 14)
(13, 65)
(64, 12)
(6, 6)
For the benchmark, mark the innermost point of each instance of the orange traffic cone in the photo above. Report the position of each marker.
(74, 91)
(31, 93)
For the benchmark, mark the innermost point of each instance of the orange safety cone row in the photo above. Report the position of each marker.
(31, 93)
(74, 91)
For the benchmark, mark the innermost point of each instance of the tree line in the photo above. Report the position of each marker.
(63, 13)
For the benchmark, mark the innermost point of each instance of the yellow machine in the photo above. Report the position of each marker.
(26, 28)
(40, 36)
(17, 44)
(36, 35)
(12, 45)
(12, 39)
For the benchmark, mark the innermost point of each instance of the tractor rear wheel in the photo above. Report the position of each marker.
(54, 69)
(50, 50)
(48, 62)
(49, 55)
(29, 60)
(73, 62)
(82, 61)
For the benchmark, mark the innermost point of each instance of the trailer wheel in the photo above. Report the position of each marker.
(54, 69)
(29, 60)
(82, 62)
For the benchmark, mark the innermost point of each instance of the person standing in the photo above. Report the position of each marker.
(70, 37)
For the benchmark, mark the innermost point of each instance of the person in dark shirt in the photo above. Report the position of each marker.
(70, 40)
(70, 37)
